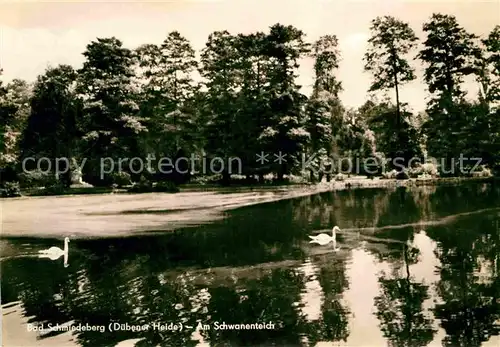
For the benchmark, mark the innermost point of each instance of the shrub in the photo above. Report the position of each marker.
(166, 187)
(206, 179)
(143, 186)
(430, 169)
(236, 177)
(424, 176)
(268, 178)
(496, 169)
(10, 190)
(483, 172)
(427, 170)
(390, 174)
(56, 188)
(121, 179)
(301, 179)
(402, 175)
(339, 177)
(36, 178)
(415, 172)
(8, 173)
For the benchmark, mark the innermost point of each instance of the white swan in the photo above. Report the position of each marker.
(323, 239)
(54, 253)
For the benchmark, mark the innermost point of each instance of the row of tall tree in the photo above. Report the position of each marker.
(126, 103)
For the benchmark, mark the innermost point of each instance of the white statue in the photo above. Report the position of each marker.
(76, 176)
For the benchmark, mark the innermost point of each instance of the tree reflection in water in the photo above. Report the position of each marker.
(332, 325)
(400, 307)
(470, 305)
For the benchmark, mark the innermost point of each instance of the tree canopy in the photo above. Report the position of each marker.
(239, 98)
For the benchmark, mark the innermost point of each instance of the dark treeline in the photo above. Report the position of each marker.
(126, 103)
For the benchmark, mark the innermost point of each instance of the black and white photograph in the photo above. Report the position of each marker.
(219, 173)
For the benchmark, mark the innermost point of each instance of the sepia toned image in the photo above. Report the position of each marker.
(246, 173)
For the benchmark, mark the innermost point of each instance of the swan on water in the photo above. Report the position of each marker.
(323, 239)
(54, 253)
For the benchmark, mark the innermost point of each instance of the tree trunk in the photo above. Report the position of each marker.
(312, 177)
(281, 176)
(408, 314)
(281, 172)
(226, 178)
(406, 247)
(398, 111)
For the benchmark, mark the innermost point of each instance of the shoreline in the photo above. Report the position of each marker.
(121, 215)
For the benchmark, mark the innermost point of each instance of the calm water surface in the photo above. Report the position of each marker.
(257, 266)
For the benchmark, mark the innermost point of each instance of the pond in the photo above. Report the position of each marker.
(256, 266)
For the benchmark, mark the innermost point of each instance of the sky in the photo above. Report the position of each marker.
(38, 34)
